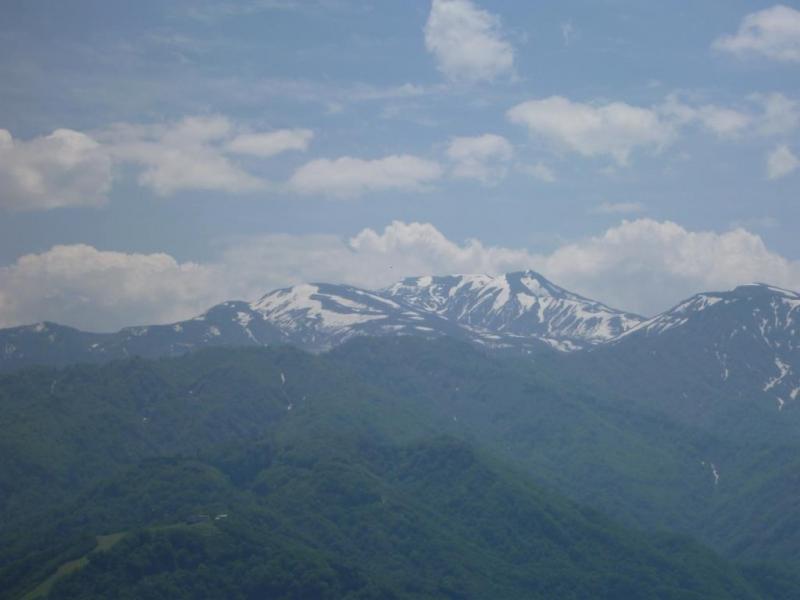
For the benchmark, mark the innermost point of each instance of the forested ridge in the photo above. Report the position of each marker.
(388, 468)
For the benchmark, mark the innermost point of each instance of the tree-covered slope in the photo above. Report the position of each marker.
(346, 517)
(281, 438)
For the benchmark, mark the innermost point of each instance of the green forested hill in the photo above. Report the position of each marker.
(389, 468)
(347, 517)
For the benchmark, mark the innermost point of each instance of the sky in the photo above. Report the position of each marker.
(159, 157)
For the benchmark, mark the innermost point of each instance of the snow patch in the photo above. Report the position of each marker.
(783, 371)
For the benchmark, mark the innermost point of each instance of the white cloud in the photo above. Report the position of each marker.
(71, 168)
(647, 266)
(772, 32)
(92, 289)
(187, 155)
(775, 115)
(618, 208)
(65, 168)
(642, 265)
(781, 115)
(541, 172)
(722, 121)
(467, 42)
(617, 129)
(347, 176)
(270, 143)
(81, 286)
(614, 129)
(781, 162)
(482, 157)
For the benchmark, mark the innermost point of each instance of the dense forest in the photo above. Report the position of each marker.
(386, 468)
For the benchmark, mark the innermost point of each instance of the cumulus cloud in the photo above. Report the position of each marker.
(615, 129)
(271, 143)
(187, 155)
(641, 265)
(467, 42)
(93, 289)
(64, 168)
(618, 129)
(71, 168)
(482, 157)
(647, 266)
(98, 290)
(773, 33)
(781, 162)
(348, 176)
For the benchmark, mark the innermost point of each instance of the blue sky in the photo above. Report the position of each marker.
(157, 157)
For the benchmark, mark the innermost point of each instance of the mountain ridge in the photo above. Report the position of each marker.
(521, 312)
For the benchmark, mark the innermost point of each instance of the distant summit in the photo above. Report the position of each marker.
(523, 303)
(747, 337)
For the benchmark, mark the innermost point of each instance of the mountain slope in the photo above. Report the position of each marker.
(341, 494)
(312, 317)
(727, 362)
(520, 304)
(63, 428)
(522, 312)
(748, 337)
(321, 316)
(64, 432)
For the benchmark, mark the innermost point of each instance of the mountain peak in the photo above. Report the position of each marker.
(522, 303)
(758, 289)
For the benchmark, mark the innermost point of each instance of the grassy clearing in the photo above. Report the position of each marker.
(104, 543)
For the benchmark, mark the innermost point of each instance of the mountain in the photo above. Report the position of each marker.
(725, 361)
(313, 317)
(522, 312)
(519, 304)
(709, 353)
(749, 337)
(320, 316)
(253, 473)
(686, 422)
(62, 429)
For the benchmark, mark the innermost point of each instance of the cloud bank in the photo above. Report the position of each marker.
(640, 265)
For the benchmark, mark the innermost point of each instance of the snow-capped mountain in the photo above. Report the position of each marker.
(747, 340)
(313, 317)
(734, 338)
(519, 311)
(519, 304)
(321, 316)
